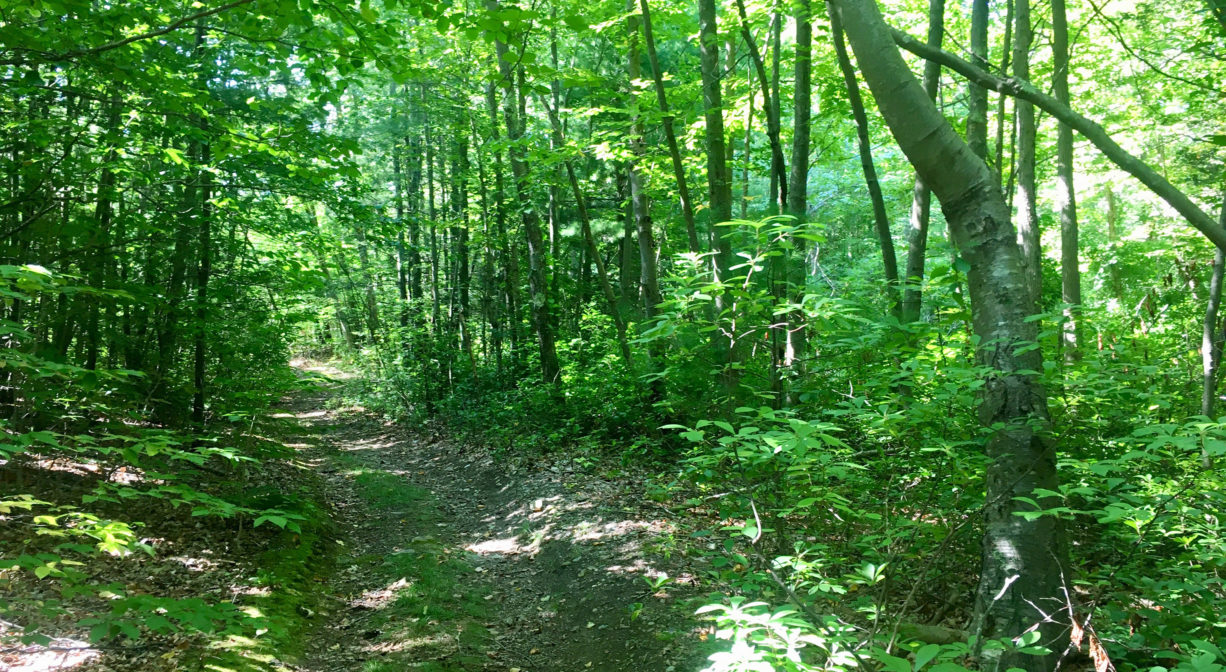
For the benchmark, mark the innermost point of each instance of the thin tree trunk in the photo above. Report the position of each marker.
(464, 273)
(1211, 342)
(204, 269)
(779, 189)
(1113, 239)
(798, 192)
(670, 135)
(921, 195)
(977, 112)
(880, 218)
(1006, 54)
(586, 223)
(648, 273)
(542, 314)
(1066, 199)
(1028, 232)
(776, 49)
(1022, 583)
(402, 270)
(747, 153)
(719, 182)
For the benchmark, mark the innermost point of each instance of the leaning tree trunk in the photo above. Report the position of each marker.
(585, 222)
(881, 219)
(670, 136)
(779, 190)
(1021, 583)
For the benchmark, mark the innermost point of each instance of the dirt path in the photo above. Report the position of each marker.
(452, 561)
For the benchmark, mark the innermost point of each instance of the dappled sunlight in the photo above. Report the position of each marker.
(320, 369)
(379, 598)
(503, 546)
(60, 654)
(373, 443)
(195, 564)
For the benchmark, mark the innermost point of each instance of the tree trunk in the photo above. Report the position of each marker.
(1028, 232)
(648, 273)
(921, 195)
(1211, 343)
(542, 315)
(670, 135)
(1022, 579)
(1006, 54)
(779, 190)
(719, 181)
(881, 219)
(1113, 241)
(1066, 199)
(977, 105)
(798, 191)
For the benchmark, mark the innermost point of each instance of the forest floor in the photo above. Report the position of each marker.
(452, 560)
(430, 555)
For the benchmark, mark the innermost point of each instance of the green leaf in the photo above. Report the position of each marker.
(925, 655)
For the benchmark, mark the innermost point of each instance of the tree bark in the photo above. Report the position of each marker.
(1211, 341)
(719, 181)
(1066, 198)
(977, 96)
(648, 272)
(921, 195)
(798, 188)
(1022, 579)
(542, 315)
(670, 135)
(881, 219)
(1028, 233)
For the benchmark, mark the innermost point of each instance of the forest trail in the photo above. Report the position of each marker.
(449, 560)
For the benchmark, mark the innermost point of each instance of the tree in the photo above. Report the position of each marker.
(542, 314)
(1066, 198)
(921, 203)
(719, 178)
(1022, 579)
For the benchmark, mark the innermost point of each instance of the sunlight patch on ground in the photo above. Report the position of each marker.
(60, 654)
(378, 599)
(195, 564)
(320, 368)
(375, 443)
(504, 546)
(405, 644)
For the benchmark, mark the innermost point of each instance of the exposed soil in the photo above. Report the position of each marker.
(437, 557)
(557, 556)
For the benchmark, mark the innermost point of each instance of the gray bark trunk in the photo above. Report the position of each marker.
(1066, 200)
(1022, 579)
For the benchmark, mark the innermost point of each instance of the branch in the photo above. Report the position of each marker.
(82, 53)
(1089, 129)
